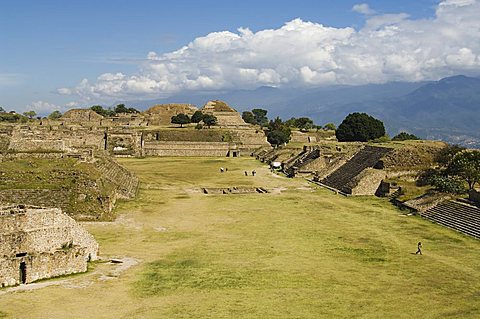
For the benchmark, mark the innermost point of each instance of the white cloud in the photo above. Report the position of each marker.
(390, 47)
(363, 8)
(42, 107)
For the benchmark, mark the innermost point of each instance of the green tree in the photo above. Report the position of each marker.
(260, 116)
(197, 117)
(466, 164)
(304, 123)
(98, 109)
(278, 132)
(404, 136)
(446, 154)
(248, 117)
(180, 119)
(209, 120)
(103, 112)
(132, 110)
(2, 109)
(278, 137)
(329, 127)
(55, 115)
(448, 184)
(359, 127)
(30, 114)
(121, 108)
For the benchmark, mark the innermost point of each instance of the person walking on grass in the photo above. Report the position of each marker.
(419, 248)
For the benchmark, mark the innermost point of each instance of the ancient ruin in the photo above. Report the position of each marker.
(39, 243)
(84, 132)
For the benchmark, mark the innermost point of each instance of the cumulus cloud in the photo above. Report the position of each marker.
(42, 107)
(390, 47)
(363, 8)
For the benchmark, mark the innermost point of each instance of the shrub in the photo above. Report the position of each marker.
(403, 136)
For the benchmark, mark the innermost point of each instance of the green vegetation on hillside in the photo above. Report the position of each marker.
(76, 188)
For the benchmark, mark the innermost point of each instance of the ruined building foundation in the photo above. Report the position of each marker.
(38, 243)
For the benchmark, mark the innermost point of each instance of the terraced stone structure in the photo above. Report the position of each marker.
(226, 116)
(82, 131)
(39, 243)
(462, 216)
(85, 190)
(361, 175)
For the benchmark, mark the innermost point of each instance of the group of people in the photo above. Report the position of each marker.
(254, 172)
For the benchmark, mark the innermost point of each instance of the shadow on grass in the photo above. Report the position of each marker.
(168, 275)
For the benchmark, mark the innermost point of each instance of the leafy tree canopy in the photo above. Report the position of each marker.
(180, 119)
(360, 127)
(278, 132)
(120, 108)
(260, 116)
(103, 112)
(55, 115)
(330, 127)
(209, 120)
(404, 136)
(447, 153)
(466, 164)
(197, 117)
(248, 117)
(12, 117)
(30, 114)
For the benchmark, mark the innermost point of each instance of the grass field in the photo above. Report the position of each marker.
(298, 252)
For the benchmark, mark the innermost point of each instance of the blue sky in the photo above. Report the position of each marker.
(47, 46)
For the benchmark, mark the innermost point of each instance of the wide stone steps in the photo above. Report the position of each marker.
(126, 182)
(461, 217)
(302, 160)
(365, 158)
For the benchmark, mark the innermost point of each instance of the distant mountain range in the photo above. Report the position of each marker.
(447, 110)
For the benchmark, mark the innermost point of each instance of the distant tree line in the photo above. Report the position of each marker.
(197, 117)
(107, 112)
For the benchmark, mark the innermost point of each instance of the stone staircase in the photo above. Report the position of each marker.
(365, 158)
(307, 156)
(457, 215)
(125, 181)
(267, 156)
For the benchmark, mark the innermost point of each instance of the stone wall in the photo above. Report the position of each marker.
(47, 241)
(367, 182)
(42, 266)
(162, 148)
(125, 181)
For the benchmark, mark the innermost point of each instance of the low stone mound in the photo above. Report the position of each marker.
(162, 114)
(40, 243)
(81, 116)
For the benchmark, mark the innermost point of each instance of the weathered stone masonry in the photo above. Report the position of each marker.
(38, 243)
